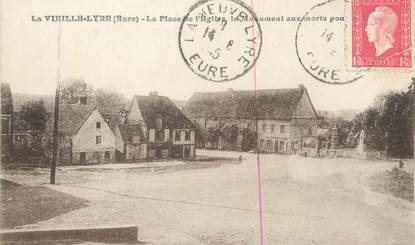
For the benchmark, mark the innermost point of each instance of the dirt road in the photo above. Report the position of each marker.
(304, 201)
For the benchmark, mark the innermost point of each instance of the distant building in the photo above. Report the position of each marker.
(6, 122)
(169, 133)
(283, 119)
(85, 137)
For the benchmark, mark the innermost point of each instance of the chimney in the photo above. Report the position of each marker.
(302, 87)
(154, 93)
(82, 100)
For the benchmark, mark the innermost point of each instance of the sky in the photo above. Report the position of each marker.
(138, 58)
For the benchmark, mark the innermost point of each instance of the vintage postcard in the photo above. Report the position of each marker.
(207, 122)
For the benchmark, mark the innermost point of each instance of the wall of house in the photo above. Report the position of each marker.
(85, 139)
(94, 157)
(152, 135)
(304, 127)
(119, 143)
(182, 136)
(273, 138)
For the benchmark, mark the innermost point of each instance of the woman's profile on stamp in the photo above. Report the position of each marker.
(380, 29)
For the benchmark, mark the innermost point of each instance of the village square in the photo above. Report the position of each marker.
(208, 170)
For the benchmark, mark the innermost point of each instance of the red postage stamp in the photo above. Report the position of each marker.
(381, 33)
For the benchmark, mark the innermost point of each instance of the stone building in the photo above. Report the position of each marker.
(282, 119)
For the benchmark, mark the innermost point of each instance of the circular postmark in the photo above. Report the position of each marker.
(320, 44)
(220, 40)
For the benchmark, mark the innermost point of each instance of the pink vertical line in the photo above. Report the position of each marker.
(261, 233)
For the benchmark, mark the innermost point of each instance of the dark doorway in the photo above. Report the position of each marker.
(82, 157)
(187, 151)
(158, 153)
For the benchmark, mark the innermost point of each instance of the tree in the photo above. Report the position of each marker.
(249, 140)
(109, 101)
(396, 125)
(33, 117)
(387, 123)
(34, 114)
(230, 136)
(73, 90)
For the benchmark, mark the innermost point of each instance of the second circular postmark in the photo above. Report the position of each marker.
(220, 40)
(320, 44)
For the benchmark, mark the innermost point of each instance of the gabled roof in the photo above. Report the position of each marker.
(129, 130)
(263, 104)
(71, 117)
(154, 106)
(21, 99)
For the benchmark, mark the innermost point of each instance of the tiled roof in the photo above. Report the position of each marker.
(71, 117)
(129, 130)
(154, 106)
(262, 104)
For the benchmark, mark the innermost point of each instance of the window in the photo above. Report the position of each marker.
(177, 135)
(261, 143)
(98, 139)
(272, 128)
(264, 127)
(107, 155)
(187, 135)
(249, 126)
(282, 129)
(269, 144)
(98, 125)
(282, 146)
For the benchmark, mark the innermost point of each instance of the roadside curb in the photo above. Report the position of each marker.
(127, 234)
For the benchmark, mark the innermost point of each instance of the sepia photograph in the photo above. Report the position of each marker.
(217, 122)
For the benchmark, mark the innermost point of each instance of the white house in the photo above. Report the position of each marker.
(85, 136)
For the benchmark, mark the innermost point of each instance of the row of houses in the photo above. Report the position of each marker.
(153, 127)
